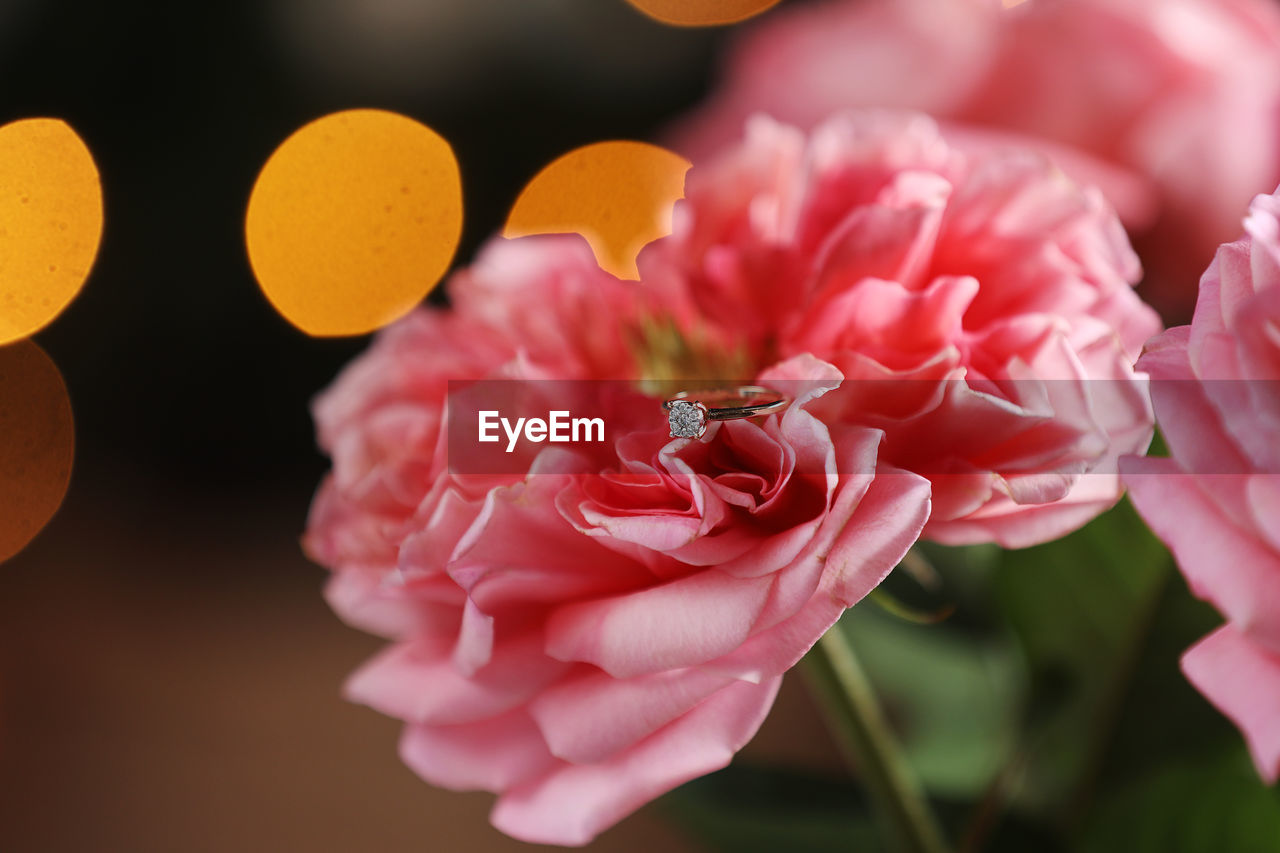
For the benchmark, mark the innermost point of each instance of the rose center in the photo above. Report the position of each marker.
(668, 354)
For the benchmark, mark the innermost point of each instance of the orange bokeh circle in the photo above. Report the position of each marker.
(353, 220)
(50, 222)
(618, 195)
(37, 444)
(702, 13)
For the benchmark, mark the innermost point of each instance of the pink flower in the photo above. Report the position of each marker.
(1171, 106)
(584, 637)
(586, 632)
(977, 304)
(1216, 500)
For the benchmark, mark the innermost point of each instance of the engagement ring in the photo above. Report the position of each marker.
(688, 417)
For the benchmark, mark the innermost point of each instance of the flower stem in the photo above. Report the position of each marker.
(901, 807)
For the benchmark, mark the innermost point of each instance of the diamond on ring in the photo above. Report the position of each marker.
(687, 420)
(688, 417)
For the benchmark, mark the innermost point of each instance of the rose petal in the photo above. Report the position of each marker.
(572, 804)
(487, 755)
(887, 523)
(1223, 563)
(677, 624)
(588, 719)
(418, 682)
(1243, 681)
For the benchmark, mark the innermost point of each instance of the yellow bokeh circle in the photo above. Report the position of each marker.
(50, 222)
(353, 220)
(37, 443)
(702, 13)
(618, 195)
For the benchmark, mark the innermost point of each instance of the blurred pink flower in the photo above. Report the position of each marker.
(1171, 106)
(584, 638)
(1216, 500)
(977, 303)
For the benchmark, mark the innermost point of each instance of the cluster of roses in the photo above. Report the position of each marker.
(958, 322)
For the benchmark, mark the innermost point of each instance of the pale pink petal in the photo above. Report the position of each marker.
(1224, 563)
(343, 534)
(487, 755)
(1242, 679)
(1011, 525)
(522, 550)
(571, 805)
(887, 523)
(1191, 426)
(377, 602)
(418, 681)
(1263, 496)
(891, 239)
(474, 648)
(590, 718)
(882, 317)
(889, 519)
(680, 623)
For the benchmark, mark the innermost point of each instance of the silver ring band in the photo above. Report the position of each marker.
(689, 412)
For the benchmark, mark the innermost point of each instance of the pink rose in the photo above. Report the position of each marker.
(584, 637)
(591, 630)
(1216, 500)
(383, 420)
(1171, 106)
(978, 305)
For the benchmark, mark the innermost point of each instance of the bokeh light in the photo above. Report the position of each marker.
(50, 222)
(618, 195)
(353, 220)
(702, 13)
(37, 443)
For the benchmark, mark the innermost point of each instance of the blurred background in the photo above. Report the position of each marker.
(169, 674)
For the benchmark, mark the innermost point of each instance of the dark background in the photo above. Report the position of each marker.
(169, 674)
(177, 366)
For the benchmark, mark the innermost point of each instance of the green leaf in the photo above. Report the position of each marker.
(745, 809)
(1163, 714)
(951, 696)
(1081, 608)
(1183, 805)
(1177, 776)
